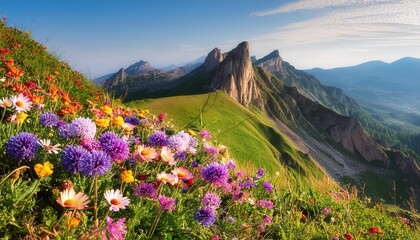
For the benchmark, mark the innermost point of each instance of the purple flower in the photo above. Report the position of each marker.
(91, 144)
(114, 146)
(194, 164)
(65, 130)
(48, 119)
(325, 211)
(158, 139)
(215, 173)
(267, 219)
(97, 163)
(115, 230)
(231, 164)
(249, 184)
(132, 120)
(267, 186)
(335, 238)
(166, 203)
(83, 127)
(230, 219)
(211, 200)
(146, 190)
(265, 204)
(205, 216)
(22, 146)
(205, 133)
(72, 158)
(182, 142)
(260, 172)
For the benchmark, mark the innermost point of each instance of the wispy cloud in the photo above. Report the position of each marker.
(361, 26)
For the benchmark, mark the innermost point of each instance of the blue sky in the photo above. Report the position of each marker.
(99, 37)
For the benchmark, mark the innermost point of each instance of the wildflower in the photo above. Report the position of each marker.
(102, 122)
(215, 173)
(46, 145)
(162, 117)
(211, 200)
(166, 203)
(118, 121)
(348, 236)
(48, 119)
(205, 216)
(115, 230)
(406, 220)
(166, 178)
(325, 211)
(158, 139)
(132, 120)
(5, 102)
(167, 156)
(267, 186)
(106, 110)
(116, 200)
(265, 204)
(72, 158)
(230, 219)
(146, 190)
(261, 228)
(335, 238)
(260, 172)
(22, 146)
(43, 170)
(114, 146)
(83, 127)
(21, 103)
(18, 118)
(127, 176)
(69, 199)
(144, 154)
(3, 79)
(182, 174)
(91, 144)
(74, 222)
(205, 133)
(182, 142)
(375, 230)
(97, 163)
(267, 219)
(65, 131)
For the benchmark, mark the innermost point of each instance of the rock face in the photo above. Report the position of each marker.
(116, 79)
(140, 67)
(233, 73)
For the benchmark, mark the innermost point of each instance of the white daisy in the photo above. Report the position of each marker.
(46, 144)
(21, 103)
(116, 200)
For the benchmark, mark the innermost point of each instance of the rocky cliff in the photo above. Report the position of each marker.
(233, 73)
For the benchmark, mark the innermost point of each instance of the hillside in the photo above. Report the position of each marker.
(76, 164)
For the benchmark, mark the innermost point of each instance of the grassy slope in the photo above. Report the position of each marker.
(260, 144)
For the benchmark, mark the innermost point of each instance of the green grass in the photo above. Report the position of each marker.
(260, 144)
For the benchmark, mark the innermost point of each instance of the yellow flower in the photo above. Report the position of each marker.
(106, 110)
(102, 122)
(74, 222)
(20, 118)
(43, 170)
(191, 132)
(127, 176)
(119, 121)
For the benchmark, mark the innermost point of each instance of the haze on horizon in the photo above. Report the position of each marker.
(99, 37)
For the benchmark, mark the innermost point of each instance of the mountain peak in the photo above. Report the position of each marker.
(273, 55)
(213, 59)
(139, 68)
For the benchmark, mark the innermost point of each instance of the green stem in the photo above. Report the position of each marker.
(155, 222)
(12, 172)
(33, 190)
(96, 201)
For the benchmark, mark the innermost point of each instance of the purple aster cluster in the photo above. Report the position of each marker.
(182, 142)
(48, 119)
(166, 203)
(231, 164)
(83, 127)
(96, 163)
(65, 131)
(205, 133)
(22, 146)
(158, 139)
(265, 204)
(260, 173)
(211, 200)
(72, 158)
(146, 190)
(267, 186)
(114, 146)
(91, 144)
(230, 219)
(248, 184)
(132, 120)
(205, 216)
(116, 229)
(215, 173)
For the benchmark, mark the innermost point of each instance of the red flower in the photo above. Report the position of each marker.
(375, 230)
(162, 117)
(348, 236)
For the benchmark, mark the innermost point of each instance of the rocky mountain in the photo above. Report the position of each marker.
(291, 99)
(139, 68)
(188, 67)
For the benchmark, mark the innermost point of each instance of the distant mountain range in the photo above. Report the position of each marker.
(393, 85)
(319, 119)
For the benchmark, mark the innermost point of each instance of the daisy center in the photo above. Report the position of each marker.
(19, 103)
(69, 203)
(114, 201)
(181, 175)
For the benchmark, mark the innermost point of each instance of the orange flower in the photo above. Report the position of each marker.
(118, 121)
(65, 98)
(102, 122)
(127, 176)
(43, 170)
(375, 230)
(106, 110)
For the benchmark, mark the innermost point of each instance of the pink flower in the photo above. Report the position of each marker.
(115, 230)
(166, 203)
